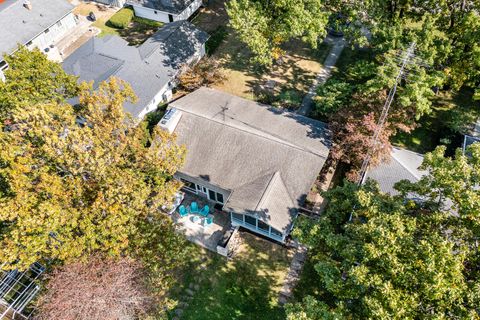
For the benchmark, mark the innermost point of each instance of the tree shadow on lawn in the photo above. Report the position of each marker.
(136, 33)
(242, 288)
(295, 71)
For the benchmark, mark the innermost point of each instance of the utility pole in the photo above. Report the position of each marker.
(386, 108)
(407, 57)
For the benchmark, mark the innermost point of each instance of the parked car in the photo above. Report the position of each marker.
(179, 196)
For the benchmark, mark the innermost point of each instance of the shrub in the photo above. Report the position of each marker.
(288, 98)
(215, 40)
(122, 18)
(204, 73)
(331, 96)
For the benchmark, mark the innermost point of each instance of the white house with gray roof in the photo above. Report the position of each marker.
(256, 162)
(165, 10)
(33, 23)
(151, 69)
(403, 165)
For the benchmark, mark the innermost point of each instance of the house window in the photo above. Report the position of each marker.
(3, 65)
(251, 221)
(188, 185)
(263, 226)
(275, 232)
(155, 11)
(47, 30)
(220, 197)
(211, 195)
(237, 216)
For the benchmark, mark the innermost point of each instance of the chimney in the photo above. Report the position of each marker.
(27, 4)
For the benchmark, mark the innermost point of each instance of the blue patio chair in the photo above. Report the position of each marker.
(194, 207)
(207, 221)
(205, 211)
(182, 211)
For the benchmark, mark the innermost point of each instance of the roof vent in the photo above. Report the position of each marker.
(170, 120)
(27, 4)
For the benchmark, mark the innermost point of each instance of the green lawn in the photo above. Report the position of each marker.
(451, 115)
(245, 287)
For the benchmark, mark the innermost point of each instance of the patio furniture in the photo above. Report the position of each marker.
(207, 221)
(195, 218)
(205, 211)
(182, 211)
(194, 207)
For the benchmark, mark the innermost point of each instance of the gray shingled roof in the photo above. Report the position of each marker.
(19, 25)
(172, 6)
(403, 165)
(268, 159)
(148, 68)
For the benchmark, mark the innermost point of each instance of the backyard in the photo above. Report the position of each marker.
(244, 287)
(284, 84)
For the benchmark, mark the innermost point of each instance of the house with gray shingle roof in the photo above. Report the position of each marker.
(151, 69)
(403, 165)
(255, 161)
(33, 23)
(165, 10)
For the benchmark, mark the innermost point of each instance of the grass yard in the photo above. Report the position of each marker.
(284, 84)
(293, 75)
(245, 287)
(451, 115)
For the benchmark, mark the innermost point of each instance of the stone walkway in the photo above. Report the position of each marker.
(337, 46)
(293, 274)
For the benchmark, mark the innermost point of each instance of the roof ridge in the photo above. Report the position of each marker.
(406, 167)
(267, 190)
(277, 140)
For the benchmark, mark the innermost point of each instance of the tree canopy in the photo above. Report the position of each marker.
(264, 25)
(77, 180)
(399, 258)
(32, 79)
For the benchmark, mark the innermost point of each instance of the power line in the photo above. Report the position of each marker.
(407, 58)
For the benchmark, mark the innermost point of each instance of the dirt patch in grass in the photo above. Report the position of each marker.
(212, 16)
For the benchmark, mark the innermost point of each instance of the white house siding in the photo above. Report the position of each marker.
(163, 95)
(162, 16)
(150, 14)
(194, 6)
(115, 3)
(53, 33)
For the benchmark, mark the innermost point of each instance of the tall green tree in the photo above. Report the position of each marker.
(70, 187)
(264, 25)
(399, 258)
(32, 79)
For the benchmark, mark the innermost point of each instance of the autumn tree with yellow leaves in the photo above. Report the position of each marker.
(78, 180)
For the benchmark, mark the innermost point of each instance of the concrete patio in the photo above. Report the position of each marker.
(209, 236)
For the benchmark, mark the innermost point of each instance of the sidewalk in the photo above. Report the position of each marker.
(330, 61)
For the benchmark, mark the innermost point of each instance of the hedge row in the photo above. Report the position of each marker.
(122, 18)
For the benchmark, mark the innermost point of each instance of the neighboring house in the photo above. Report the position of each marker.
(254, 161)
(151, 69)
(165, 10)
(113, 3)
(473, 137)
(403, 165)
(33, 23)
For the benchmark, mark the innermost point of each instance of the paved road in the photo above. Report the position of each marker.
(324, 74)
